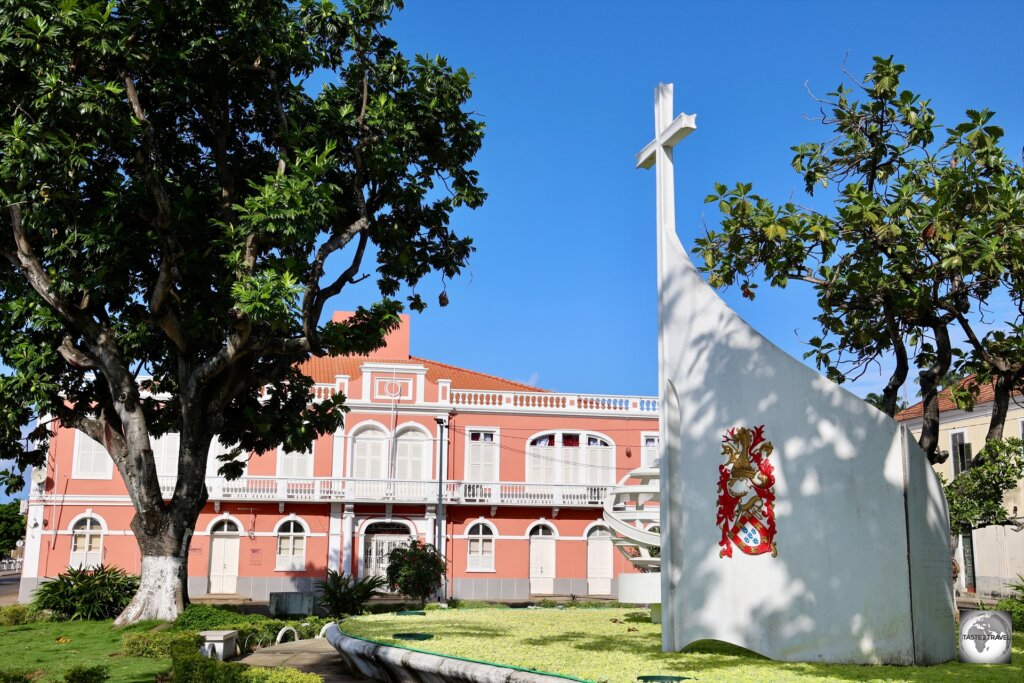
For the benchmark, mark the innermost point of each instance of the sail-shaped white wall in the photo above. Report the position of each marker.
(861, 565)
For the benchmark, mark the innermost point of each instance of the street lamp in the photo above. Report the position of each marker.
(441, 424)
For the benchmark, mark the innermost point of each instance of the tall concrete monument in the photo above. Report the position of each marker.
(796, 520)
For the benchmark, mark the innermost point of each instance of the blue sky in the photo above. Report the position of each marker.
(561, 291)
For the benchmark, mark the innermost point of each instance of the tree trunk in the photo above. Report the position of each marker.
(1000, 404)
(929, 380)
(891, 392)
(161, 594)
(163, 586)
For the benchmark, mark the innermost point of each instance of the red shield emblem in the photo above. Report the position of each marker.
(746, 494)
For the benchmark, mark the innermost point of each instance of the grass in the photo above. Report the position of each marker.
(39, 648)
(598, 644)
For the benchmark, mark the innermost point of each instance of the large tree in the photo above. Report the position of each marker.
(179, 203)
(12, 526)
(923, 233)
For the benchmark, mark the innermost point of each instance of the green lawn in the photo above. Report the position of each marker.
(597, 644)
(36, 647)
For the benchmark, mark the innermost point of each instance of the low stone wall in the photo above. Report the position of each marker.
(388, 663)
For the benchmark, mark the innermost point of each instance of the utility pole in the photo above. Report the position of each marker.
(441, 444)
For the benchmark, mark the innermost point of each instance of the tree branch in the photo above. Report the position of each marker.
(146, 159)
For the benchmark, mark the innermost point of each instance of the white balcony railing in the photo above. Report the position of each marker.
(532, 402)
(279, 489)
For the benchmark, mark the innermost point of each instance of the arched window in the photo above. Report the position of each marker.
(86, 543)
(542, 530)
(291, 547)
(370, 454)
(412, 456)
(481, 548)
(224, 526)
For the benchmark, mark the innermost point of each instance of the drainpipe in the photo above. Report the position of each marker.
(439, 540)
(442, 448)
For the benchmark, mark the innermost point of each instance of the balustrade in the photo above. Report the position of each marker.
(280, 489)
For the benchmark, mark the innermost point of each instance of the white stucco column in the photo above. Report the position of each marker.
(348, 519)
(431, 524)
(334, 538)
(338, 455)
(33, 544)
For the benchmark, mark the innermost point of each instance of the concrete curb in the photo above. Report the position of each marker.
(388, 663)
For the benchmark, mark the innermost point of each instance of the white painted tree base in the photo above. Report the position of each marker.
(160, 595)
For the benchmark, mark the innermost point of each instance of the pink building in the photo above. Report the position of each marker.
(519, 505)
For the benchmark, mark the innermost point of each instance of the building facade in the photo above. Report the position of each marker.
(517, 508)
(991, 557)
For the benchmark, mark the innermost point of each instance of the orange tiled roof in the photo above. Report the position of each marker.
(325, 369)
(986, 393)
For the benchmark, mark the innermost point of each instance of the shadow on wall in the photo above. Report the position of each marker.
(839, 589)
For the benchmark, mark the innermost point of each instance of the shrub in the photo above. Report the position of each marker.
(16, 615)
(416, 570)
(254, 630)
(86, 674)
(14, 677)
(341, 595)
(154, 644)
(208, 618)
(188, 666)
(92, 594)
(475, 604)
(258, 674)
(387, 607)
(310, 627)
(1016, 610)
(1015, 604)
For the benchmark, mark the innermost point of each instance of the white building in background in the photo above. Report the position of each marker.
(992, 557)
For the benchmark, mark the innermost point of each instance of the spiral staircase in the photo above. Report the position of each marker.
(632, 513)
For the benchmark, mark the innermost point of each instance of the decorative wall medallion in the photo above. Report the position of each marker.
(746, 493)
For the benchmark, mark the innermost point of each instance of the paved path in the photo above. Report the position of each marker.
(314, 656)
(9, 585)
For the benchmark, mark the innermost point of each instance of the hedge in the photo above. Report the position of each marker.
(155, 644)
(188, 666)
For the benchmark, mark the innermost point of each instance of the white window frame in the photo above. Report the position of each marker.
(496, 431)
(952, 450)
(76, 469)
(281, 452)
(213, 464)
(81, 559)
(161, 443)
(427, 440)
(559, 468)
(643, 448)
(291, 562)
(485, 562)
(353, 442)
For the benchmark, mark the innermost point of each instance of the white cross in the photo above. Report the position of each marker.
(667, 133)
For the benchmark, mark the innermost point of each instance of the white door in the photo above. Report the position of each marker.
(542, 564)
(224, 562)
(599, 562)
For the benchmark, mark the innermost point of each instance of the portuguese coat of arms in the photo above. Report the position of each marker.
(746, 493)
